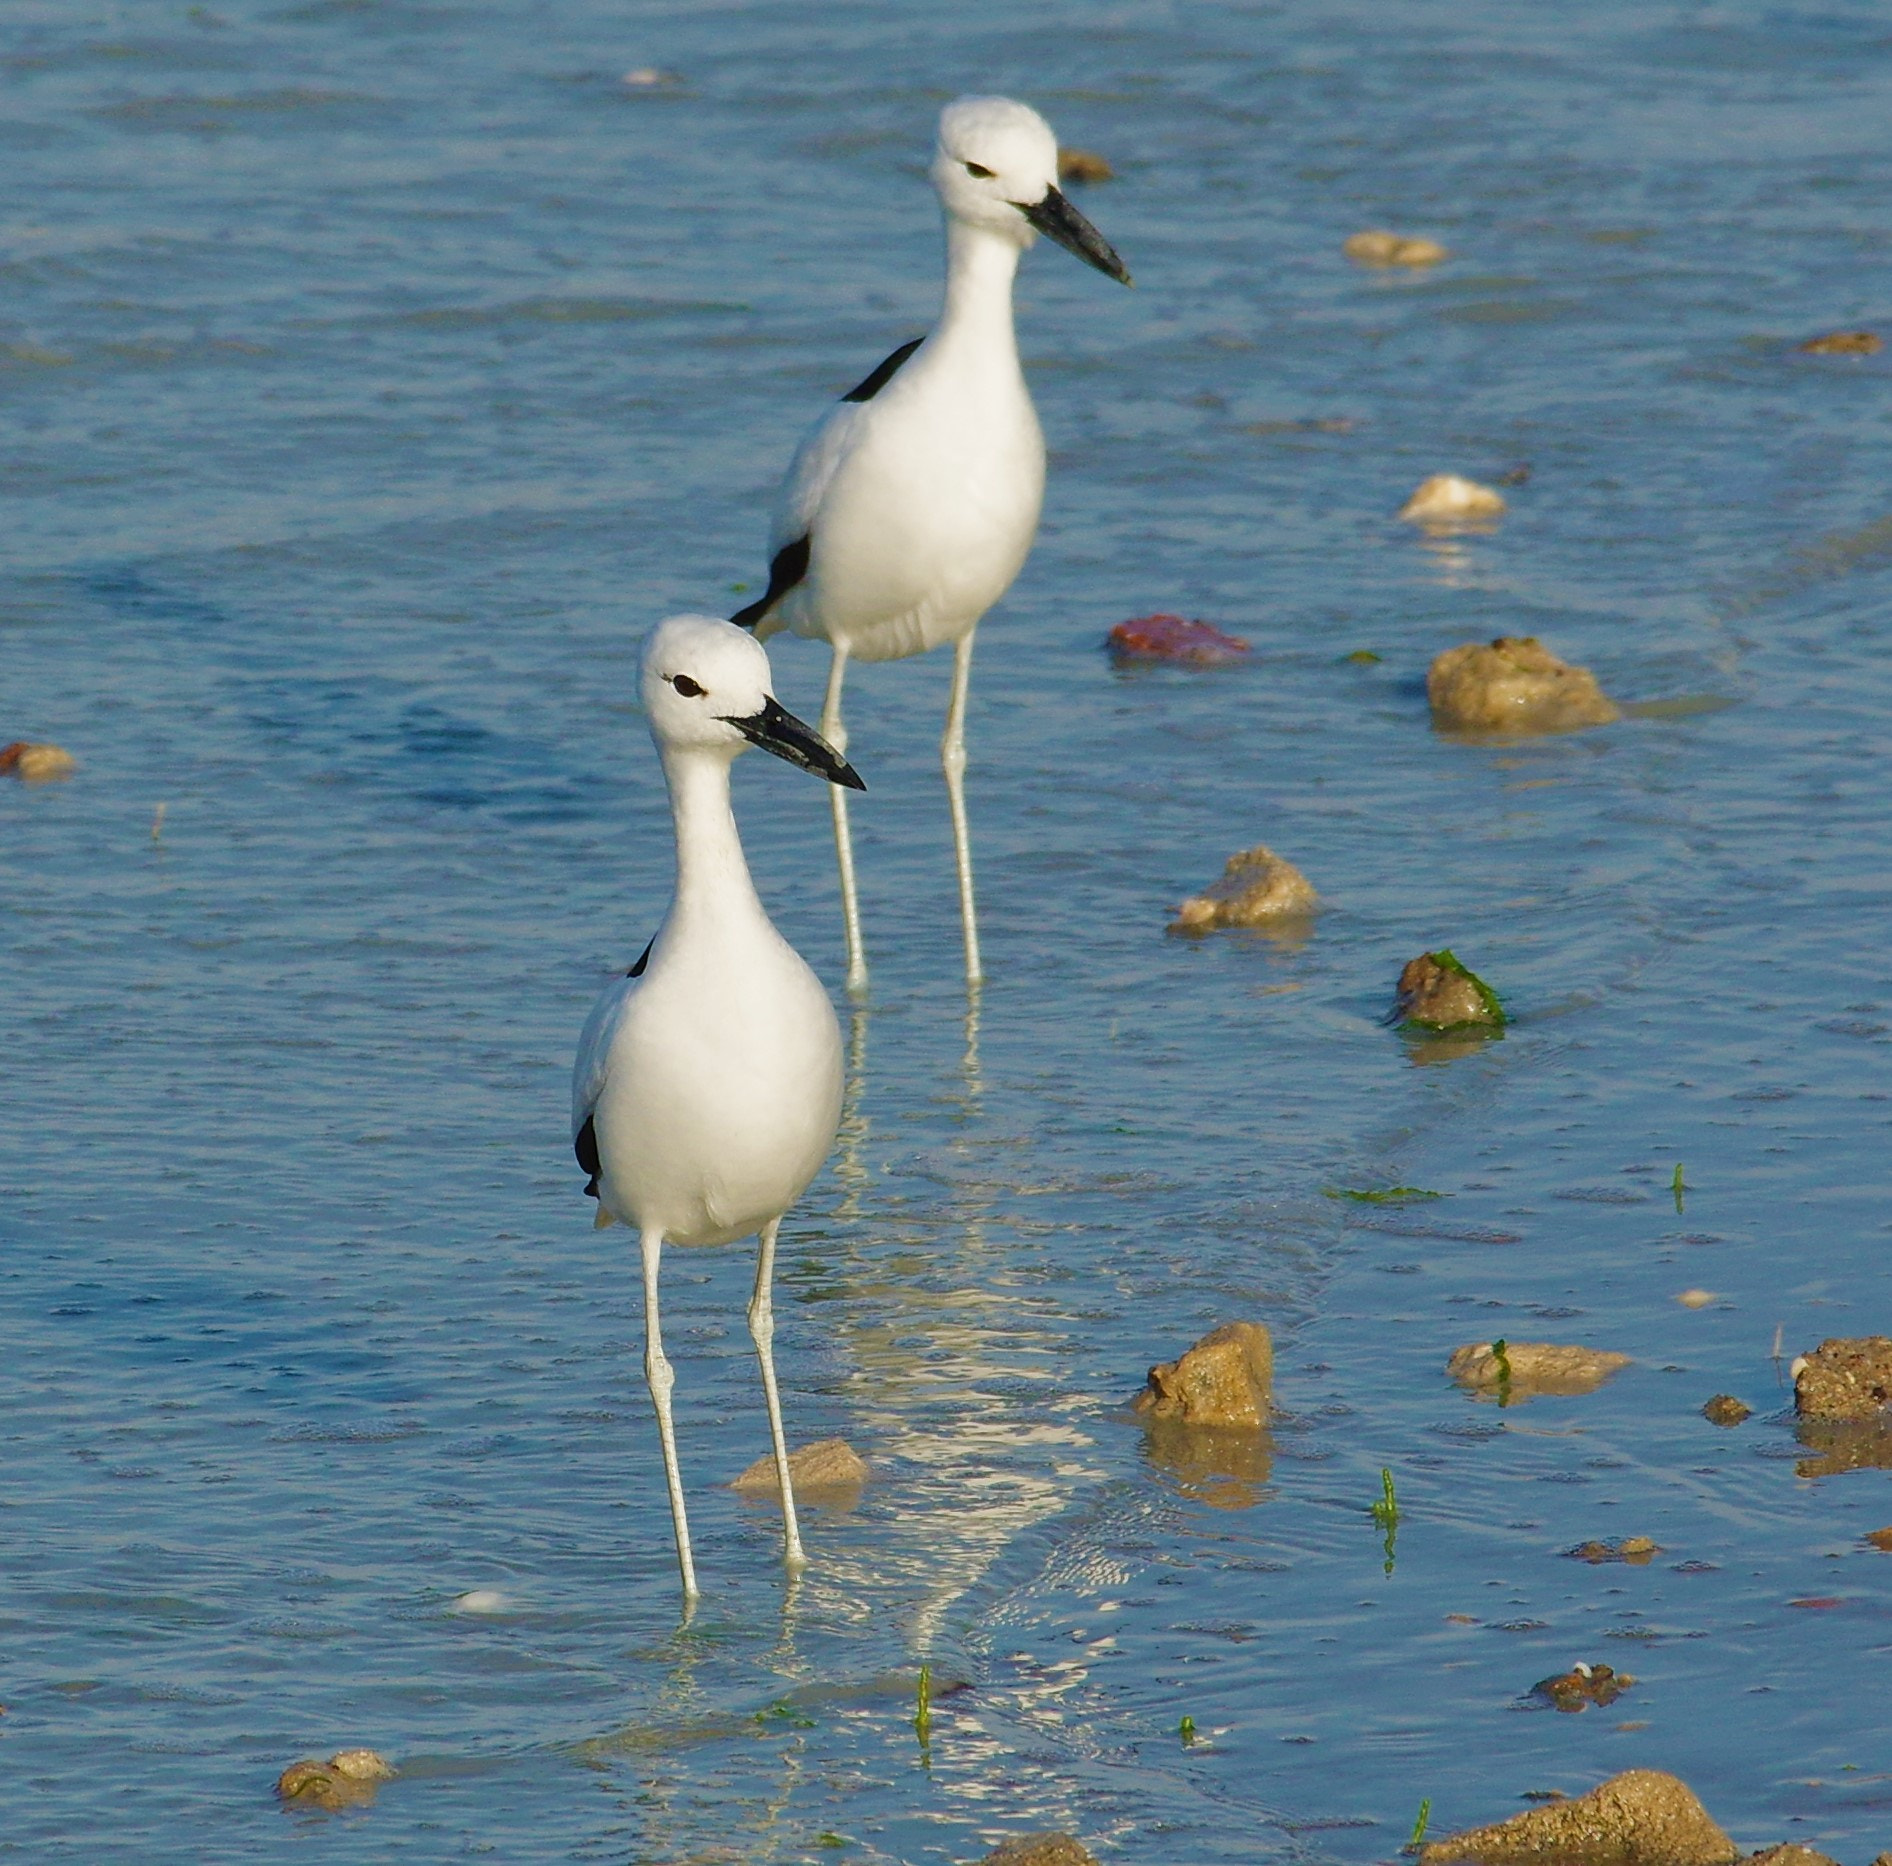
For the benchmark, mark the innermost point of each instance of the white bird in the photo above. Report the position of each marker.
(913, 504)
(707, 1086)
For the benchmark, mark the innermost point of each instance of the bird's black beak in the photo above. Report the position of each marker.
(1057, 219)
(777, 730)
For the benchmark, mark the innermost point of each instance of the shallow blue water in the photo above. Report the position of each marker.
(373, 375)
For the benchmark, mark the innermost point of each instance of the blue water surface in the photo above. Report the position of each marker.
(374, 372)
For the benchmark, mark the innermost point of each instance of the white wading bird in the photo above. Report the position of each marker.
(911, 507)
(707, 1087)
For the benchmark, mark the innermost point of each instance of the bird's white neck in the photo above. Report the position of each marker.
(980, 267)
(712, 876)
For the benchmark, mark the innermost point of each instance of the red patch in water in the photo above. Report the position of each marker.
(1173, 638)
(1818, 1602)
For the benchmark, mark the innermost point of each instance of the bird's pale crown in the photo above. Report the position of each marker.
(995, 156)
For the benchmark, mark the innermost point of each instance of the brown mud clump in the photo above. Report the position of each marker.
(1446, 501)
(1582, 1686)
(1513, 684)
(1880, 1539)
(1176, 639)
(1519, 1370)
(828, 1471)
(1642, 1817)
(1378, 247)
(1084, 165)
(1257, 888)
(1638, 1551)
(1843, 343)
(1844, 1379)
(1040, 1850)
(36, 764)
(1224, 1380)
(1437, 991)
(1725, 1409)
(349, 1778)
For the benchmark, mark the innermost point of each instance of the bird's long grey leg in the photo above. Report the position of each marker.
(658, 1372)
(952, 756)
(762, 1331)
(836, 734)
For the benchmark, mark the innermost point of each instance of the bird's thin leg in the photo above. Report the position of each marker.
(762, 1331)
(658, 1372)
(952, 756)
(836, 734)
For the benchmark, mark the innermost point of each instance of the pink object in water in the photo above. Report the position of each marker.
(1173, 638)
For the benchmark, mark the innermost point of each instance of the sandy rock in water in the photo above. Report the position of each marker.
(829, 1468)
(1084, 165)
(1446, 499)
(36, 764)
(1225, 1379)
(1880, 1539)
(1725, 1409)
(1791, 1855)
(1582, 1686)
(1438, 992)
(1642, 1817)
(1844, 343)
(1165, 637)
(1697, 1298)
(1844, 1379)
(1256, 888)
(1040, 1850)
(347, 1779)
(1535, 1367)
(1513, 684)
(1378, 247)
(1638, 1551)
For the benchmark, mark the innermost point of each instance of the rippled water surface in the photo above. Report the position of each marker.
(372, 375)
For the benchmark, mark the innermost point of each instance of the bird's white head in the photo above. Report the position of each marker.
(996, 168)
(707, 689)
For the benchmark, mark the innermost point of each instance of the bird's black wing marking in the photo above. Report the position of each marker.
(788, 567)
(871, 385)
(643, 959)
(585, 1145)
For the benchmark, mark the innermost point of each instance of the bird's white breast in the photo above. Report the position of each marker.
(721, 1087)
(929, 507)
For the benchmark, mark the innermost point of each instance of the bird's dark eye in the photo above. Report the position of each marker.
(686, 686)
(973, 169)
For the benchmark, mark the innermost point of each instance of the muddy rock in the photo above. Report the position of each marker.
(1256, 888)
(1513, 684)
(829, 1470)
(1725, 1409)
(1880, 1539)
(1844, 343)
(1437, 992)
(1165, 637)
(1839, 1445)
(1642, 1817)
(1844, 1379)
(1582, 1686)
(1446, 500)
(1224, 1380)
(1638, 1551)
(1084, 165)
(36, 764)
(347, 1779)
(1520, 1370)
(1040, 1850)
(1378, 247)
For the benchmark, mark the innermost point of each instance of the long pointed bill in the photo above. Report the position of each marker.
(1058, 220)
(777, 730)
